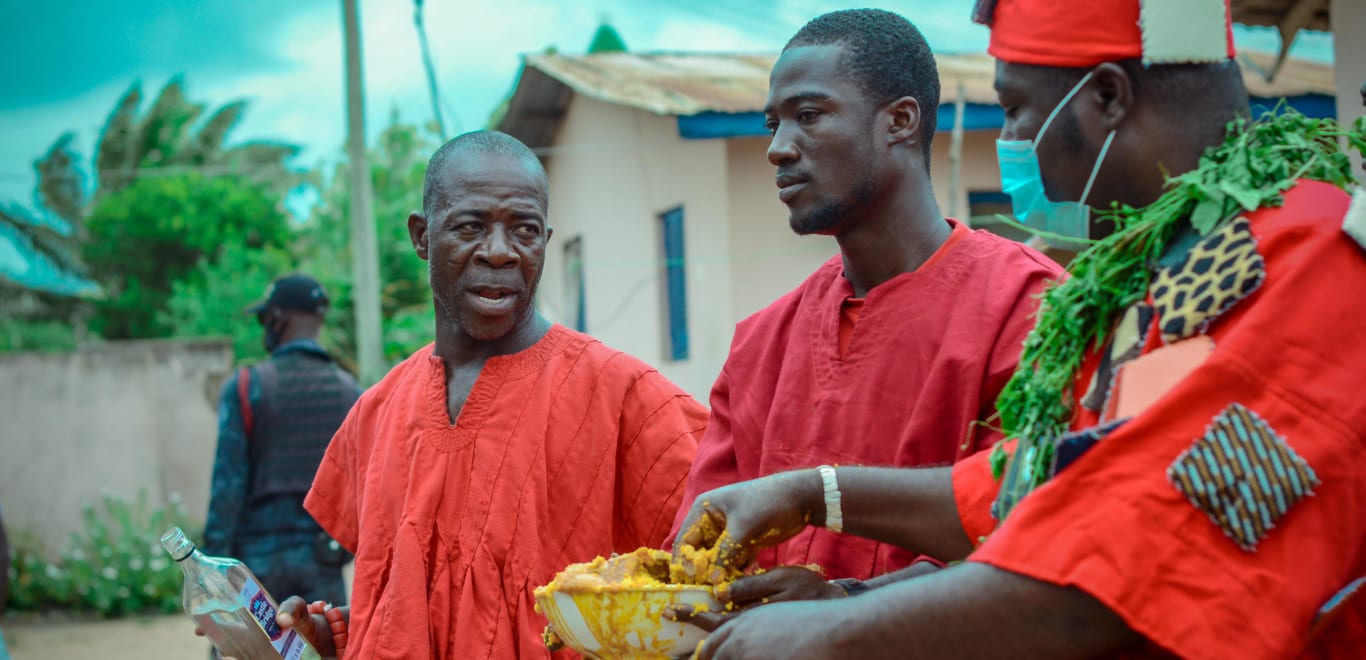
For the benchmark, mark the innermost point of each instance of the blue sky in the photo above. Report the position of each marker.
(68, 61)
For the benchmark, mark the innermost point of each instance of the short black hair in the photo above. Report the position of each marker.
(1199, 94)
(478, 142)
(887, 55)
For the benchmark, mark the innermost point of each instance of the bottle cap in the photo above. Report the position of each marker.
(176, 543)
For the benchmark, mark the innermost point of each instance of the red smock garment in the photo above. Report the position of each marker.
(930, 352)
(562, 452)
(1227, 518)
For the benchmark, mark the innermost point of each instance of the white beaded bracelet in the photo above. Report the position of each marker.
(834, 514)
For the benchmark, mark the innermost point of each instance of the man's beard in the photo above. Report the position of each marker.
(827, 216)
(450, 310)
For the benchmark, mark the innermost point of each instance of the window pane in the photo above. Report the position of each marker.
(676, 290)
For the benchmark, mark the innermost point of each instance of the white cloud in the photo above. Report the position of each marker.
(699, 35)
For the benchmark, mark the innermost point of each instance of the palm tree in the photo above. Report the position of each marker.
(168, 138)
(40, 250)
(43, 247)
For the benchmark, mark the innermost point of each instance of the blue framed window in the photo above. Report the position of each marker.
(675, 284)
(575, 298)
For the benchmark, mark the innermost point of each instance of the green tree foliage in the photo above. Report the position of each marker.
(169, 144)
(170, 135)
(606, 40)
(113, 567)
(60, 179)
(155, 233)
(211, 300)
(21, 334)
(398, 164)
(53, 233)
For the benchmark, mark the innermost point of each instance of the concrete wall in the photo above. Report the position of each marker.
(116, 418)
(613, 171)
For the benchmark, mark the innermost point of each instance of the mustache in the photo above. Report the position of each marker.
(468, 282)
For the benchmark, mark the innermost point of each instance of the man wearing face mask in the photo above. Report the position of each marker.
(275, 420)
(1184, 475)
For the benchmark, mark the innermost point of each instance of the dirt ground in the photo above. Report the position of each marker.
(143, 638)
(138, 638)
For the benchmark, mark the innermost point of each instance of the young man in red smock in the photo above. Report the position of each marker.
(1205, 496)
(506, 450)
(893, 352)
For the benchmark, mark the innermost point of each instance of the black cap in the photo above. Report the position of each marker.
(296, 292)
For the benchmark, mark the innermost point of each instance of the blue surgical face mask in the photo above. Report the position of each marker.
(1022, 179)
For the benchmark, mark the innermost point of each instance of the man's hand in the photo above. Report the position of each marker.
(782, 584)
(784, 630)
(312, 627)
(743, 518)
(293, 613)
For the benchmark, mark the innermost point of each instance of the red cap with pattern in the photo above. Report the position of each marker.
(1084, 33)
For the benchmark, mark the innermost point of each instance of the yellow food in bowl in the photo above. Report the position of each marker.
(614, 608)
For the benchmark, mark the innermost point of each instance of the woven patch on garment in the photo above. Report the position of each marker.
(1220, 270)
(1072, 446)
(1243, 475)
(1126, 344)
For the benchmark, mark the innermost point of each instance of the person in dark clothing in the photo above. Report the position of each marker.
(276, 418)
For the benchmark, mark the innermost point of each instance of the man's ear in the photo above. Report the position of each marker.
(276, 320)
(905, 121)
(1110, 96)
(417, 233)
(549, 231)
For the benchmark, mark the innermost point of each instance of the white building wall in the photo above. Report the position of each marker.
(1349, 60)
(767, 258)
(613, 171)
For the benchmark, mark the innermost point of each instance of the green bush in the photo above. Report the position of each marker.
(114, 567)
(36, 335)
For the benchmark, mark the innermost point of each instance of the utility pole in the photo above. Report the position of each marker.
(430, 67)
(364, 254)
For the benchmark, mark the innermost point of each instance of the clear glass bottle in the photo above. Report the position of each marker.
(232, 608)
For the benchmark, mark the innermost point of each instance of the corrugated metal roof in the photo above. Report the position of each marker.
(689, 83)
(666, 84)
(692, 83)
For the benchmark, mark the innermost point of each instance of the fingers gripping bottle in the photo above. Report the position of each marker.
(231, 607)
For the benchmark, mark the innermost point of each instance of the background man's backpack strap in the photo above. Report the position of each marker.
(244, 398)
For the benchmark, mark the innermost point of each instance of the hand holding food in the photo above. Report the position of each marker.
(776, 585)
(726, 527)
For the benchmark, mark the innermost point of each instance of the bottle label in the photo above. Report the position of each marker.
(286, 642)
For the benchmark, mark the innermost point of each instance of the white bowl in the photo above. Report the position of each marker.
(625, 622)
